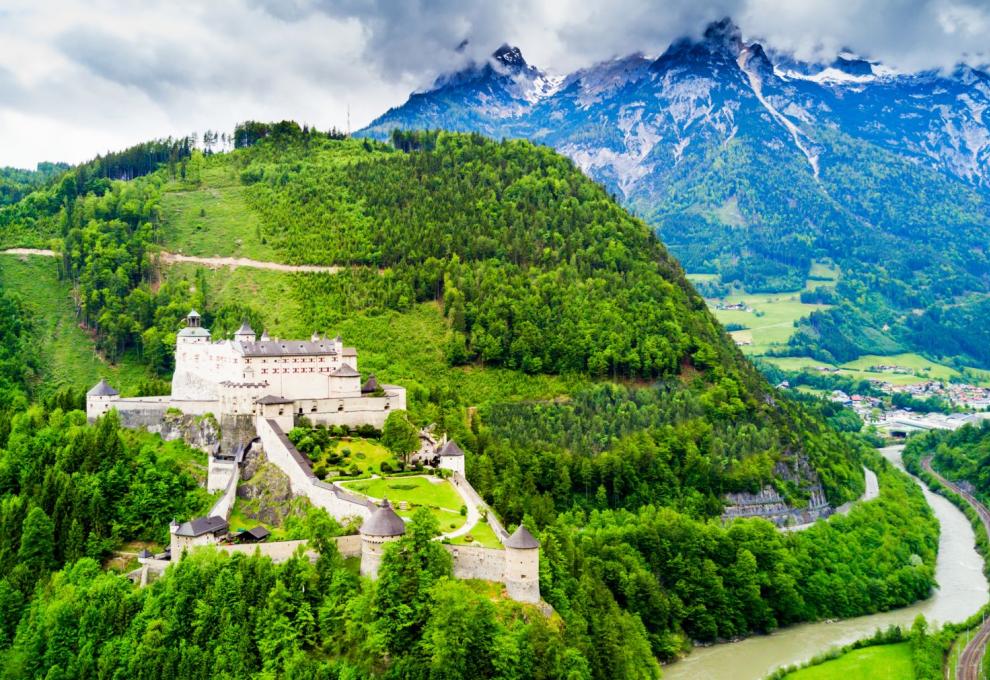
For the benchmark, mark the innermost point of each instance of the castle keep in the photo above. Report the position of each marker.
(252, 376)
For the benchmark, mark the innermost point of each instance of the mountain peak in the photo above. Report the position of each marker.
(509, 56)
(724, 34)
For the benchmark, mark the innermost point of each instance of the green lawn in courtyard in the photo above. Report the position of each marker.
(885, 662)
(480, 534)
(415, 490)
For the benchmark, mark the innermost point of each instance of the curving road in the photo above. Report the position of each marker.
(971, 659)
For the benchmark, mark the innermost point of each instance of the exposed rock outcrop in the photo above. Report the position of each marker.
(265, 491)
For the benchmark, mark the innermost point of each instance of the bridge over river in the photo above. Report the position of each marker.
(962, 592)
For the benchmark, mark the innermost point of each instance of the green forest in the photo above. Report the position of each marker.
(525, 273)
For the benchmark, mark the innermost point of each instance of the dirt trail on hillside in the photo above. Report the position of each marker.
(30, 251)
(232, 262)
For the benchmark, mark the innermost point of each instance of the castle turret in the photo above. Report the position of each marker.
(345, 382)
(245, 333)
(522, 566)
(452, 457)
(100, 399)
(194, 331)
(382, 526)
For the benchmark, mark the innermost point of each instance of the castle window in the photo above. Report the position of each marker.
(313, 410)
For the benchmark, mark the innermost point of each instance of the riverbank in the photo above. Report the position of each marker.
(962, 592)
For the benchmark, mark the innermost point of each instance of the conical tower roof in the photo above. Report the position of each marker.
(345, 371)
(245, 329)
(521, 539)
(370, 385)
(102, 389)
(451, 449)
(384, 522)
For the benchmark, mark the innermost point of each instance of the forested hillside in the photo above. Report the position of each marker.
(751, 164)
(537, 323)
(962, 455)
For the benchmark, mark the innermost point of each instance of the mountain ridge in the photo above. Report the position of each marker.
(844, 160)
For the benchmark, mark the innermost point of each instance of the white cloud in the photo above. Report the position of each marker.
(79, 78)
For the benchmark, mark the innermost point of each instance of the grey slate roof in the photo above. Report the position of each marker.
(202, 525)
(521, 539)
(193, 314)
(285, 348)
(265, 337)
(195, 331)
(245, 329)
(370, 385)
(345, 371)
(383, 522)
(451, 449)
(145, 554)
(272, 399)
(102, 389)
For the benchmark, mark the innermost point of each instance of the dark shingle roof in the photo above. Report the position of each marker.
(145, 554)
(245, 329)
(451, 449)
(345, 371)
(202, 525)
(521, 539)
(258, 533)
(370, 385)
(383, 522)
(102, 389)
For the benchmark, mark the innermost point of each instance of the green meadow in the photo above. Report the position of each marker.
(884, 662)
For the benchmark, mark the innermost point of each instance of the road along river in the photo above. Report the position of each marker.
(962, 591)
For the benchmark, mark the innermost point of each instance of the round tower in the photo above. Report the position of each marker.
(100, 399)
(522, 566)
(382, 526)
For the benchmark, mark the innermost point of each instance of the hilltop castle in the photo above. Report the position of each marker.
(255, 376)
(255, 388)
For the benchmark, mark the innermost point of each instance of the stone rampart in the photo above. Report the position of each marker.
(487, 564)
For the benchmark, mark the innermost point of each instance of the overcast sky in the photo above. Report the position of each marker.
(77, 79)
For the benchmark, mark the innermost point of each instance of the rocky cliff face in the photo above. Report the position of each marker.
(202, 432)
(265, 493)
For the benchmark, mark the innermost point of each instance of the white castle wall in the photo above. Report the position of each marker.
(303, 482)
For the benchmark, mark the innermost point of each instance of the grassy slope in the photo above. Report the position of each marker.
(66, 351)
(213, 221)
(885, 662)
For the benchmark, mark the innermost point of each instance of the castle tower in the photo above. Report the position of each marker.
(345, 382)
(100, 399)
(194, 331)
(522, 566)
(382, 526)
(245, 333)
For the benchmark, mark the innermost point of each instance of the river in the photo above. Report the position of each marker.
(962, 591)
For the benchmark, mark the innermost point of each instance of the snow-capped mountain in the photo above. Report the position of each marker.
(735, 152)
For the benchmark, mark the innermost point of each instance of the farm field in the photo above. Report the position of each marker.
(922, 369)
(771, 321)
(884, 662)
